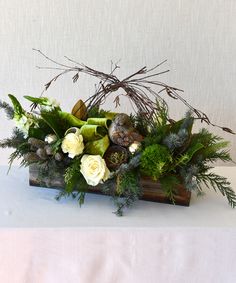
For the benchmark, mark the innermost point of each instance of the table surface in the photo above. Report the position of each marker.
(25, 206)
(47, 241)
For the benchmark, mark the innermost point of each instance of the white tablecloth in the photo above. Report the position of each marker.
(45, 241)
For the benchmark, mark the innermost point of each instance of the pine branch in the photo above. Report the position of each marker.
(80, 196)
(128, 189)
(22, 149)
(14, 141)
(223, 155)
(8, 109)
(76, 186)
(218, 183)
(124, 190)
(126, 202)
(169, 184)
(133, 163)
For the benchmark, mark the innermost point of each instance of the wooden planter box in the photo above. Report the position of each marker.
(151, 190)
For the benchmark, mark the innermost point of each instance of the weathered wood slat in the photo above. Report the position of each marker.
(151, 190)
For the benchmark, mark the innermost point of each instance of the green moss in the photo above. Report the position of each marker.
(154, 160)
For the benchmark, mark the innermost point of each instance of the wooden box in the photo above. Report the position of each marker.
(151, 190)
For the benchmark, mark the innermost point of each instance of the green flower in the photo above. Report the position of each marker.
(154, 160)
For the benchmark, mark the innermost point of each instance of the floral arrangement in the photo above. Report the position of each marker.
(92, 147)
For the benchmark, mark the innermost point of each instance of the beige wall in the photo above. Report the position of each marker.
(198, 37)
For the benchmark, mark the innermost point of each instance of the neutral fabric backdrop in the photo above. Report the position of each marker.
(197, 37)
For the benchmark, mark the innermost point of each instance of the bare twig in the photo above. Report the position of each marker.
(137, 89)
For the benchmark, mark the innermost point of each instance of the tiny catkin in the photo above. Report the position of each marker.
(58, 156)
(33, 148)
(31, 157)
(37, 143)
(48, 149)
(41, 152)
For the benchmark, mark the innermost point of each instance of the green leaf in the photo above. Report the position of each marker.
(70, 119)
(56, 146)
(183, 159)
(18, 110)
(37, 100)
(51, 118)
(60, 121)
(98, 147)
(193, 149)
(37, 133)
(100, 121)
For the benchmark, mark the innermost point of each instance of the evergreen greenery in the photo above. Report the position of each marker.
(170, 154)
(75, 184)
(97, 112)
(128, 190)
(14, 141)
(124, 190)
(126, 167)
(19, 143)
(187, 157)
(140, 124)
(8, 109)
(169, 184)
(217, 183)
(21, 149)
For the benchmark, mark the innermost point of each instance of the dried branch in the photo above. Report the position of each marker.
(137, 89)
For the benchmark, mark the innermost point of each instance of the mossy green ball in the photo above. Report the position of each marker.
(153, 160)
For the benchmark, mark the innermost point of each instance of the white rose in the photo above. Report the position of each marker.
(72, 144)
(94, 169)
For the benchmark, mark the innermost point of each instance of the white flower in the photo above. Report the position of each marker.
(23, 123)
(50, 104)
(51, 138)
(73, 144)
(94, 169)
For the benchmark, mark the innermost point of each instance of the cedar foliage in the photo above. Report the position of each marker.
(8, 109)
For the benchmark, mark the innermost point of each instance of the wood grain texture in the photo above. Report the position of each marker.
(197, 37)
(152, 191)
